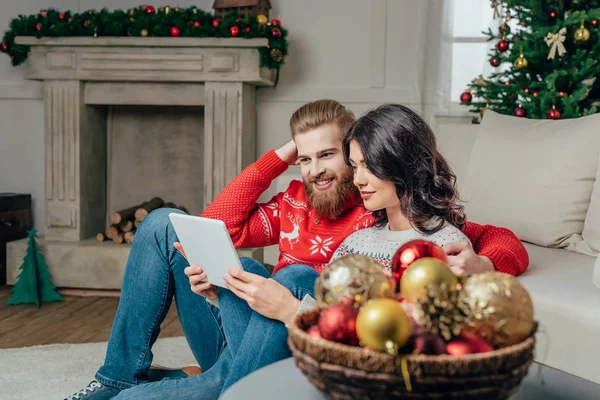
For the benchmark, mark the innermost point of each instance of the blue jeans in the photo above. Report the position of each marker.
(228, 342)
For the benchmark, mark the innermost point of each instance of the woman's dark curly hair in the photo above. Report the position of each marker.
(399, 147)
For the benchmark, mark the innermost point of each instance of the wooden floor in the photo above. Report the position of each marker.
(77, 320)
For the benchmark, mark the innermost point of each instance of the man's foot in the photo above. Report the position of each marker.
(158, 372)
(95, 391)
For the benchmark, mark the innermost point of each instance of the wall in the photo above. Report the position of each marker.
(362, 53)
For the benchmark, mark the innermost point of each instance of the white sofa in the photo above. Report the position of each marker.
(561, 282)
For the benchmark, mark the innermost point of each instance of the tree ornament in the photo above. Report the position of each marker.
(167, 10)
(276, 33)
(38, 27)
(215, 23)
(130, 12)
(383, 325)
(4, 47)
(495, 4)
(503, 44)
(352, 279)
(582, 34)
(149, 10)
(262, 19)
(248, 29)
(467, 343)
(95, 31)
(338, 324)
(313, 331)
(61, 16)
(276, 22)
(442, 311)
(553, 113)
(43, 13)
(411, 252)
(12, 57)
(234, 31)
(501, 311)
(87, 23)
(552, 14)
(195, 10)
(70, 19)
(425, 273)
(276, 55)
(92, 11)
(595, 22)
(520, 112)
(466, 97)
(521, 62)
(484, 109)
(429, 344)
(174, 31)
(535, 94)
(555, 41)
(196, 24)
(495, 61)
(144, 32)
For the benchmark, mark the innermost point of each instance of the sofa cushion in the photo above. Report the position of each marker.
(591, 229)
(534, 177)
(565, 302)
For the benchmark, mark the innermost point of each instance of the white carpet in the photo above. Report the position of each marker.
(55, 371)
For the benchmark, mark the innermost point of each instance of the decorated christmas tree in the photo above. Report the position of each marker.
(34, 284)
(548, 59)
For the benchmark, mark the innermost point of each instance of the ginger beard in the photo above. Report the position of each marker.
(331, 202)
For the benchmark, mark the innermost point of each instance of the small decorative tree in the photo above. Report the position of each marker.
(34, 284)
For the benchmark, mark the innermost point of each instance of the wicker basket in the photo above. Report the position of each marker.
(346, 372)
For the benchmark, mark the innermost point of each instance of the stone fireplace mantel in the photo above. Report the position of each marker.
(80, 73)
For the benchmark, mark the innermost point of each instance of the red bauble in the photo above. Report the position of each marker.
(428, 343)
(467, 343)
(70, 19)
(276, 22)
(215, 22)
(314, 332)
(248, 29)
(552, 14)
(196, 24)
(12, 57)
(234, 31)
(410, 252)
(502, 45)
(595, 22)
(38, 27)
(4, 47)
(149, 10)
(520, 112)
(238, 20)
(61, 16)
(175, 31)
(494, 62)
(553, 114)
(338, 324)
(466, 97)
(276, 33)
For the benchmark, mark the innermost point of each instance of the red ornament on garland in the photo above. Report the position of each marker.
(61, 16)
(595, 22)
(215, 22)
(38, 27)
(248, 29)
(175, 31)
(410, 252)
(196, 24)
(338, 324)
(276, 22)
(276, 33)
(520, 112)
(553, 113)
(234, 31)
(4, 47)
(149, 10)
(552, 14)
(494, 62)
(466, 97)
(70, 19)
(502, 45)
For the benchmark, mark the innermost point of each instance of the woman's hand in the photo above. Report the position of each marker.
(464, 261)
(197, 276)
(265, 296)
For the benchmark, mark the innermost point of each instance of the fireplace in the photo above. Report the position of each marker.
(127, 119)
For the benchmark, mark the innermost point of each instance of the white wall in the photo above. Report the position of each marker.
(362, 53)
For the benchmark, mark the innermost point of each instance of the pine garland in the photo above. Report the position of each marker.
(191, 22)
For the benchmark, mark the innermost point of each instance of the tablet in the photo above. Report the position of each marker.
(206, 243)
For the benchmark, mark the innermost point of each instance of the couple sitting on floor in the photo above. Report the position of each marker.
(368, 186)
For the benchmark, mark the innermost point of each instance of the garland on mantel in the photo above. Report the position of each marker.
(146, 21)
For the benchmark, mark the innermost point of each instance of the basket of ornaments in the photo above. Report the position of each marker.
(420, 332)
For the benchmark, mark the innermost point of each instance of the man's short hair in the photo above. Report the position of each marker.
(321, 112)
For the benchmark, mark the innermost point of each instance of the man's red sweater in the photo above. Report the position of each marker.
(304, 238)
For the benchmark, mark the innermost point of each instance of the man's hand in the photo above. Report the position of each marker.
(265, 296)
(197, 276)
(464, 261)
(288, 152)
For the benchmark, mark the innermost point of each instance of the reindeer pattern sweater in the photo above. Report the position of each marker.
(288, 220)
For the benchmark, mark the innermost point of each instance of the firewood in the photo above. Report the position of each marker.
(126, 226)
(148, 207)
(101, 237)
(111, 231)
(137, 223)
(124, 215)
(169, 205)
(182, 208)
(129, 237)
(119, 238)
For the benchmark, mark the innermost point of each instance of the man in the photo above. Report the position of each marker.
(234, 332)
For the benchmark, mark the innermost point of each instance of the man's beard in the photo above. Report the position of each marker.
(331, 203)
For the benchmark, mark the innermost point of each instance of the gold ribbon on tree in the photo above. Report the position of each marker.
(495, 5)
(556, 41)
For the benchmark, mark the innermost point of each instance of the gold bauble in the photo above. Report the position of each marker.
(424, 272)
(262, 19)
(276, 55)
(144, 32)
(521, 62)
(353, 279)
(501, 311)
(195, 10)
(383, 325)
(582, 35)
(130, 12)
(167, 10)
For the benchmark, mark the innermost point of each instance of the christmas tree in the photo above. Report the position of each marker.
(34, 284)
(548, 59)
